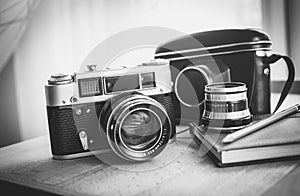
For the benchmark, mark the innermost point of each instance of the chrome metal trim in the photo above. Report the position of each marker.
(211, 48)
(81, 154)
(236, 87)
(59, 95)
(214, 54)
(230, 115)
(226, 97)
(71, 156)
(262, 53)
(83, 139)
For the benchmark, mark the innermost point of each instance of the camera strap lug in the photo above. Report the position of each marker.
(83, 140)
(291, 76)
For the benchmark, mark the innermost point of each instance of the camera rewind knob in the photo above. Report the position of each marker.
(60, 78)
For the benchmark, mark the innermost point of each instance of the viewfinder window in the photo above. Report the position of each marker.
(122, 83)
(148, 80)
(90, 87)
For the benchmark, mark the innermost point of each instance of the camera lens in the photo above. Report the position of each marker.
(137, 127)
(226, 106)
(140, 129)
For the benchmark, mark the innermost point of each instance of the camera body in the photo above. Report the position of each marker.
(74, 103)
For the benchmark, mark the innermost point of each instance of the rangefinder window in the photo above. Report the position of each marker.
(89, 87)
(122, 83)
(148, 80)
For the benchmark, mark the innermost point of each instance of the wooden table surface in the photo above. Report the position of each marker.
(180, 169)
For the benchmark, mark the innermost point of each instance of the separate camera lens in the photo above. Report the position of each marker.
(226, 106)
(140, 130)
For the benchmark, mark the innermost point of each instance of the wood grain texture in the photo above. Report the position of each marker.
(180, 169)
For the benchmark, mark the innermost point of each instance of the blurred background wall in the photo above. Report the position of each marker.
(55, 36)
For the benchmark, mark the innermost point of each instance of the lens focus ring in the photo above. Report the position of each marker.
(226, 106)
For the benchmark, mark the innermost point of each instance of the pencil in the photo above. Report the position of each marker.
(261, 124)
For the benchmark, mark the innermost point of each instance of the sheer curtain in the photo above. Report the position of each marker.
(62, 33)
(14, 18)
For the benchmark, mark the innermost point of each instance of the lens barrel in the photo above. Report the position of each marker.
(226, 106)
(137, 127)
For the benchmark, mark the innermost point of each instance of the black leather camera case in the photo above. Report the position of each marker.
(246, 52)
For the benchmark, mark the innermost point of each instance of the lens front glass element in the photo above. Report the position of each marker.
(140, 130)
(137, 127)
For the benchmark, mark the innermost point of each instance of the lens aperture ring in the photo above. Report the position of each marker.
(221, 107)
(226, 97)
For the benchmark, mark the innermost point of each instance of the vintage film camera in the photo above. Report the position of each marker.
(127, 110)
(245, 52)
